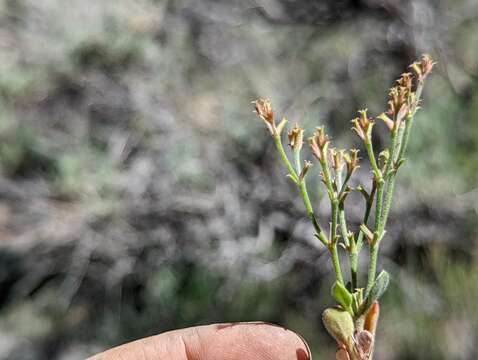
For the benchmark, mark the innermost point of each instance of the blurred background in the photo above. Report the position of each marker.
(139, 193)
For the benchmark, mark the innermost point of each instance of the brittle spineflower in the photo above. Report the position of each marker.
(353, 322)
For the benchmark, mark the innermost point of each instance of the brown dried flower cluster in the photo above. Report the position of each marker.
(352, 161)
(363, 125)
(337, 157)
(319, 143)
(296, 137)
(423, 68)
(263, 108)
(403, 99)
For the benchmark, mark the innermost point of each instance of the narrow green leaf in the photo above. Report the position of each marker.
(377, 290)
(342, 295)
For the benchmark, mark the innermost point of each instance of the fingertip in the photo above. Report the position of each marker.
(233, 341)
(257, 341)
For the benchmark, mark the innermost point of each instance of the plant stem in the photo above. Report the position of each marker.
(336, 263)
(302, 188)
(353, 265)
(333, 225)
(327, 178)
(310, 213)
(357, 246)
(378, 213)
(342, 218)
(298, 167)
(343, 225)
(372, 267)
(285, 159)
(373, 161)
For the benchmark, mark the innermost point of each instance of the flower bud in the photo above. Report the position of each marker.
(296, 137)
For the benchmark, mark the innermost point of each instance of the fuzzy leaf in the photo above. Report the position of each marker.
(339, 323)
(378, 289)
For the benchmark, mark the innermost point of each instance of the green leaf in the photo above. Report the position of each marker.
(377, 290)
(342, 295)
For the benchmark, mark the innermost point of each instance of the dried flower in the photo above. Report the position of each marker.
(397, 98)
(296, 137)
(363, 342)
(319, 143)
(406, 82)
(337, 157)
(352, 160)
(423, 67)
(363, 125)
(305, 169)
(263, 108)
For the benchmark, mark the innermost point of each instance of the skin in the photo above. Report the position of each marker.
(233, 341)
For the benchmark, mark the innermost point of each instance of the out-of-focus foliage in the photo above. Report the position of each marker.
(139, 194)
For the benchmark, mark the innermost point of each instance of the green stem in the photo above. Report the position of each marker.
(310, 213)
(342, 217)
(388, 202)
(353, 265)
(357, 246)
(343, 225)
(372, 267)
(373, 161)
(336, 263)
(298, 166)
(378, 210)
(285, 159)
(368, 210)
(333, 225)
(302, 188)
(327, 178)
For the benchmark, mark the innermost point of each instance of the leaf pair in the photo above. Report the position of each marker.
(345, 298)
